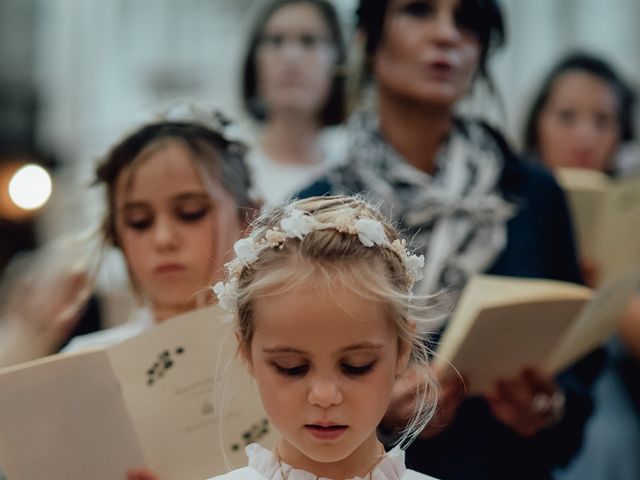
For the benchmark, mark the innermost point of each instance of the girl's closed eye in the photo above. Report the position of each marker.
(358, 370)
(192, 209)
(291, 370)
(137, 218)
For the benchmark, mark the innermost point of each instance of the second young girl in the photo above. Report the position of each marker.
(326, 323)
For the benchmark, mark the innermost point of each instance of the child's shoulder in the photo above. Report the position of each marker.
(245, 473)
(413, 475)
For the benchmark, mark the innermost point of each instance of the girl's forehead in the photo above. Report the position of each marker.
(315, 315)
(161, 172)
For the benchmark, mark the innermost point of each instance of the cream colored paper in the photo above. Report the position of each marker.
(606, 216)
(503, 324)
(180, 403)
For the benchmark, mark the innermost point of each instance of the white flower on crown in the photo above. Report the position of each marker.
(227, 294)
(246, 250)
(297, 224)
(275, 237)
(370, 232)
(415, 266)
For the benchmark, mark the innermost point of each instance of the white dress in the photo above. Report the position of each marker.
(274, 182)
(264, 465)
(141, 321)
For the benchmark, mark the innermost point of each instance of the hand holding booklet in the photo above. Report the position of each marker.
(504, 324)
(175, 400)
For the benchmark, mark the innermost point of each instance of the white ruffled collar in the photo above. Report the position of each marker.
(391, 467)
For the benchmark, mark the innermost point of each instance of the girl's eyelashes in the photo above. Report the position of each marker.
(347, 369)
(297, 371)
(192, 214)
(357, 370)
(139, 223)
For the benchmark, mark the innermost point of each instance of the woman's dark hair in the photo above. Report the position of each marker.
(333, 112)
(222, 158)
(592, 65)
(482, 17)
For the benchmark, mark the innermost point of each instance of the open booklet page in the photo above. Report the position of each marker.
(503, 324)
(181, 404)
(606, 217)
(65, 418)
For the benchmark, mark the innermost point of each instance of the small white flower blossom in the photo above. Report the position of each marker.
(297, 224)
(415, 265)
(275, 237)
(370, 232)
(226, 293)
(246, 250)
(344, 223)
(399, 247)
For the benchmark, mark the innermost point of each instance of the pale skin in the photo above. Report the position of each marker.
(424, 65)
(41, 313)
(167, 226)
(325, 358)
(295, 67)
(578, 126)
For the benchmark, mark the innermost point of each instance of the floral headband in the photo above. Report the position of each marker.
(297, 224)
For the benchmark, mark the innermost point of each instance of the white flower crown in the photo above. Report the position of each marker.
(297, 224)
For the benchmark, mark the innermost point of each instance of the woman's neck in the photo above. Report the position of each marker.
(291, 139)
(358, 464)
(415, 130)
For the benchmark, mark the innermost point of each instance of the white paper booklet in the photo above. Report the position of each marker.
(175, 400)
(503, 324)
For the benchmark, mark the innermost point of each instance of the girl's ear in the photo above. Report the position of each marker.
(244, 354)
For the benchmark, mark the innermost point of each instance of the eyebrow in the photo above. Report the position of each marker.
(177, 198)
(350, 348)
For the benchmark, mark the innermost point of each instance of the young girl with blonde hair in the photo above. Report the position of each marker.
(326, 323)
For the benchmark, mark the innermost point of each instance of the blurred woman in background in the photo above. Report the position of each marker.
(293, 86)
(580, 117)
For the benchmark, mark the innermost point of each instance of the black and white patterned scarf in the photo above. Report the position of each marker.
(456, 218)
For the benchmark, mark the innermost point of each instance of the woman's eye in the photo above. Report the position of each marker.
(139, 224)
(417, 9)
(193, 215)
(603, 121)
(567, 116)
(272, 40)
(356, 370)
(296, 371)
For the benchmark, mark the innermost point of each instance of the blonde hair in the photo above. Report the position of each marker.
(375, 272)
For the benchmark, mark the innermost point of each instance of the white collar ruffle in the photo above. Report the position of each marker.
(391, 467)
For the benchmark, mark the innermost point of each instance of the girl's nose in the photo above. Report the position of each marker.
(165, 236)
(325, 393)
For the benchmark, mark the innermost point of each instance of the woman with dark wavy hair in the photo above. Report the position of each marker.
(457, 189)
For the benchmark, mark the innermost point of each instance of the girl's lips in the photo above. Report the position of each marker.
(169, 268)
(329, 432)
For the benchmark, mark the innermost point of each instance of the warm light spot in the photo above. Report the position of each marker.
(30, 187)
